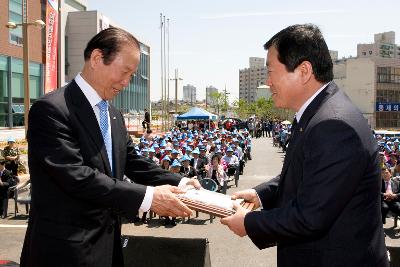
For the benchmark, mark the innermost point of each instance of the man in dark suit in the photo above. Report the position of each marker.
(196, 162)
(324, 207)
(79, 151)
(390, 194)
(7, 179)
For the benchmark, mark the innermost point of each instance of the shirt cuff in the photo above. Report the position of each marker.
(147, 200)
(259, 200)
(183, 182)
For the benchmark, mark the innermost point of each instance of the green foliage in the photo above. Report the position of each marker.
(183, 108)
(262, 108)
(218, 101)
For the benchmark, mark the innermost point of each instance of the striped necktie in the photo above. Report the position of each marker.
(105, 129)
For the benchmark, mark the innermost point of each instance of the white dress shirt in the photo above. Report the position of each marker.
(301, 111)
(94, 98)
(307, 103)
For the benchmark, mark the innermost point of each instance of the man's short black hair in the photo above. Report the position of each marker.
(303, 42)
(109, 42)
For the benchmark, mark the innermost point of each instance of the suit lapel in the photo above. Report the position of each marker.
(308, 114)
(84, 112)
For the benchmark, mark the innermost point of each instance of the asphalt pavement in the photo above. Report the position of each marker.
(226, 249)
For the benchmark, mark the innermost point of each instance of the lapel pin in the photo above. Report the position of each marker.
(114, 118)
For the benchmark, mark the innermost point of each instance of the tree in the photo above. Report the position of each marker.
(218, 100)
(262, 108)
(241, 108)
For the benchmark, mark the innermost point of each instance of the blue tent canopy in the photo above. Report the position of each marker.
(197, 114)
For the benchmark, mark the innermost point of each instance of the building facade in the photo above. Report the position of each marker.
(251, 78)
(11, 59)
(11, 56)
(76, 27)
(384, 46)
(372, 81)
(263, 92)
(189, 94)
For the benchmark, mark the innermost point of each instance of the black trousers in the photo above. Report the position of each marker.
(13, 167)
(3, 205)
(387, 206)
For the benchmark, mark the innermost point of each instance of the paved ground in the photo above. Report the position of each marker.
(226, 249)
(17, 133)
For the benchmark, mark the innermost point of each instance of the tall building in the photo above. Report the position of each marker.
(251, 78)
(372, 81)
(189, 94)
(209, 90)
(384, 46)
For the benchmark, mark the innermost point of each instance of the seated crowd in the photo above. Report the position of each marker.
(214, 154)
(389, 153)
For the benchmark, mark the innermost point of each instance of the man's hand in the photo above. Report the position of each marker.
(249, 195)
(194, 182)
(235, 222)
(165, 203)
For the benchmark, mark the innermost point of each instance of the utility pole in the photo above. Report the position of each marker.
(162, 72)
(226, 99)
(168, 116)
(176, 90)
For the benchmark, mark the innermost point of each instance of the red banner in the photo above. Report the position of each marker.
(51, 46)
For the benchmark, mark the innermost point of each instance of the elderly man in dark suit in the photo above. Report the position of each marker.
(324, 207)
(79, 151)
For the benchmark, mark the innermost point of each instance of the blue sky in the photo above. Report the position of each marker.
(211, 40)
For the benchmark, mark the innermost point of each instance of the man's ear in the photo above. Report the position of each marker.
(306, 71)
(96, 58)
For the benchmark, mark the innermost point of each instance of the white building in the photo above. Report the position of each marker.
(251, 78)
(67, 6)
(189, 94)
(263, 92)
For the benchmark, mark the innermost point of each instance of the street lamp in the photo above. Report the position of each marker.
(25, 37)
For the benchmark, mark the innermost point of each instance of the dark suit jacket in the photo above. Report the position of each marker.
(189, 174)
(200, 164)
(8, 180)
(324, 208)
(395, 189)
(76, 200)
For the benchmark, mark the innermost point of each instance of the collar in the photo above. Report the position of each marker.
(307, 103)
(91, 94)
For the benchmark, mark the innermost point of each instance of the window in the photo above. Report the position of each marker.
(388, 75)
(15, 15)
